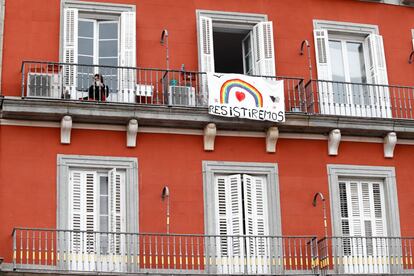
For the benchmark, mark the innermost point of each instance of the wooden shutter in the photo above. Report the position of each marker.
(70, 50)
(323, 58)
(256, 220)
(377, 67)
(229, 213)
(127, 55)
(206, 45)
(83, 206)
(116, 188)
(263, 49)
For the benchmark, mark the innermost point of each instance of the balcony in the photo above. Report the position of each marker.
(61, 251)
(366, 255)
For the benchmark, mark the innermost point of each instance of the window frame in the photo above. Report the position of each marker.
(65, 163)
(94, 11)
(230, 21)
(268, 170)
(385, 174)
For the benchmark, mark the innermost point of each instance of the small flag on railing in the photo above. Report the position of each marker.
(255, 98)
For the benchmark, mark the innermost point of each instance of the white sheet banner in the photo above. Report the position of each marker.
(255, 98)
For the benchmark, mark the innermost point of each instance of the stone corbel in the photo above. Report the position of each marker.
(132, 130)
(389, 144)
(65, 129)
(272, 135)
(334, 141)
(210, 132)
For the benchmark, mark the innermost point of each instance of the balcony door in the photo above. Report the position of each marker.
(98, 43)
(352, 74)
(364, 227)
(242, 224)
(97, 214)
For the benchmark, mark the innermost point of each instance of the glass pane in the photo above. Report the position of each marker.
(357, 72)
(103, 223)
(85, 46)
(103, 185)
(338, 74)
(108, 48)
(85, 59)
(85, 29)
(108, 31)
(104, 244)
(109, 61)
(84, 81)
(103, 205)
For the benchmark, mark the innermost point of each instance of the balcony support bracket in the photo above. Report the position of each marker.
(210, 131)
(272, 135)
(65, 129)
(132, 130)
(390, 140)
(334, 140)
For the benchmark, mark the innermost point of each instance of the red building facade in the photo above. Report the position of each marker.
(140, 178)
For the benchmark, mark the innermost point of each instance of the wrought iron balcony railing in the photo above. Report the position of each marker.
(360, 99)
(69, 250)
(366, 255)
(132, 85)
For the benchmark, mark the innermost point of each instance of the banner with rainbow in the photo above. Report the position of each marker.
(255, 98)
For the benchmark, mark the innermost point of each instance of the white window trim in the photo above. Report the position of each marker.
(233, 20)
(269, 170)
(385, 174)
(109, 11)
(66, 162)
(346, 27)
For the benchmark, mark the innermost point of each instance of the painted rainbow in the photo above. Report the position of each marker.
(226, 88)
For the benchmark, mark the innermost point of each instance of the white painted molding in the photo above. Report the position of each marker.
(389, 144)
(65, 129)
(334, 140)
(272, 135)
(132, 130)
(210, 131)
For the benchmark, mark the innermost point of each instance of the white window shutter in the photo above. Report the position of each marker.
(76, 201)
(377, 67)
(127, 54)
(116, 188)
(263, 49)
(256, 219)
(70, 49)
(83, 207)
(323, 58)
(206, 44)
(229, 215)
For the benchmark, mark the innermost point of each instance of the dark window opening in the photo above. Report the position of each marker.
(228, 54)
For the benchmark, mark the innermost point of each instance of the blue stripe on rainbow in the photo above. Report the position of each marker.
(232, 83)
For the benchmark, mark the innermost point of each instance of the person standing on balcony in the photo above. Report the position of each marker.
(98, 91)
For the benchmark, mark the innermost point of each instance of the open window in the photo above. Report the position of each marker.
(351, 70)
(235, 43)
(98, 38)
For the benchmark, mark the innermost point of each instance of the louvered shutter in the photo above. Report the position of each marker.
(70, 50)
(323, 57)
(377, 67)
(263, 49)
(127, 56)
(116, 187)
(256, 220)
(229, 219)
(83, 204)
(206, 44)
(76, 222)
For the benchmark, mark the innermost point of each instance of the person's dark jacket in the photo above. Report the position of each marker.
(98, 93)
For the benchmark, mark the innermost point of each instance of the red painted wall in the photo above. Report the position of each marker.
(32, 32)
(28, 176)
